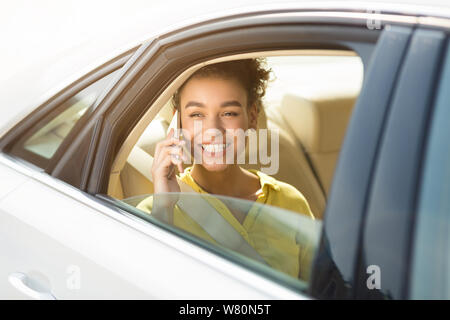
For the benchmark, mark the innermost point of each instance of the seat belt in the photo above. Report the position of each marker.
(214, 223)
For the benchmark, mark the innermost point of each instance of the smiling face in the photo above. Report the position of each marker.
(219, 106)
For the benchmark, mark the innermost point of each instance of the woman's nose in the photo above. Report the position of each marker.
(213, 122)
(212, 126)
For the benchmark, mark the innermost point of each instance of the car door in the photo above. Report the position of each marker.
(160, 61)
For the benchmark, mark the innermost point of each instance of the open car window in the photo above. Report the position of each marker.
(308, 104)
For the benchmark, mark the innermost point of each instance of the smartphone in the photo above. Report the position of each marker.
(175, 124)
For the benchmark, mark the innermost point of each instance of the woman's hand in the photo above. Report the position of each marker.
(168, 155)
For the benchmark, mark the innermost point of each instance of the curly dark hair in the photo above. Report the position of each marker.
(251, 73)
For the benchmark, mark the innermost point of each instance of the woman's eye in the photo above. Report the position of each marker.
(230, 114)
(195, 115)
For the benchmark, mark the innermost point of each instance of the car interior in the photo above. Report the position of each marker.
(309, 102)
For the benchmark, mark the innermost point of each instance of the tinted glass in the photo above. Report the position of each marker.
(276, 242)
(42, 141)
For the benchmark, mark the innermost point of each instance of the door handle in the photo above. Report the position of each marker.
(29, 287)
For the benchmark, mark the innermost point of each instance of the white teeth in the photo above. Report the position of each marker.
(214, 147)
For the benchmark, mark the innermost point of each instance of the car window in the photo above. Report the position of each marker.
(302, 122)
(430, 278)
(43, 140)
(271, 239)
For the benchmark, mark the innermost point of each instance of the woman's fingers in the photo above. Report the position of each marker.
(168, 156)
(168, 153)
(176, 154)
(163, 168)
(168, 143)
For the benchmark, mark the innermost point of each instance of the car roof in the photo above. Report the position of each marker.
(33, 72)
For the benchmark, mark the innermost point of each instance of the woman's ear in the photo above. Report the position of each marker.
(253, 116)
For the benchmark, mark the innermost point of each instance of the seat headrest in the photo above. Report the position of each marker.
(320, 125)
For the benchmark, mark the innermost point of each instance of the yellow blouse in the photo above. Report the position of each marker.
(276, 242)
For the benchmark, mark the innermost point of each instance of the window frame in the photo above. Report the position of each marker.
(157, 65)
(153, 111)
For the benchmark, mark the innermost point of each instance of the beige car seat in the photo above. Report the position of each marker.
(319, 125)
(293, 164)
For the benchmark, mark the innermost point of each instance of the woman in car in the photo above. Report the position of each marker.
(221, 99)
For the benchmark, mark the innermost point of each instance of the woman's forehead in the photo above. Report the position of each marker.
(211, 88)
